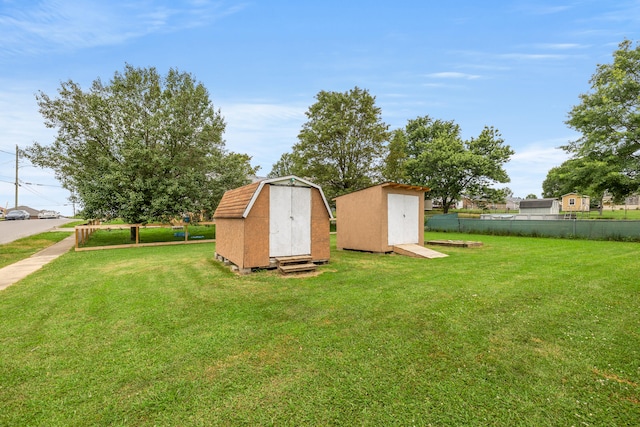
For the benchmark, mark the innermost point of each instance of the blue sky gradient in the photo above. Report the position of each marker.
(518, 66)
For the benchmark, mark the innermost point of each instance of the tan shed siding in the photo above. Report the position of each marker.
(362, 217)
(256, 239)
(320, 245)
(565, 202)
(230, 239)
(581, 202)
(359, 220)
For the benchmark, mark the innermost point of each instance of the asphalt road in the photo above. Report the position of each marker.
(13, 230)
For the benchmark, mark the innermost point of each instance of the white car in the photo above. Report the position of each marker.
(48, 215)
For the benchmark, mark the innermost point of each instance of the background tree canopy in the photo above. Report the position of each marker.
(345, 146)
(142, 147)
(588, 176)
(439, 158)
(342, 144)
(608, 118)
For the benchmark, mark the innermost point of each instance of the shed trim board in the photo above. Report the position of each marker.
(290, 180)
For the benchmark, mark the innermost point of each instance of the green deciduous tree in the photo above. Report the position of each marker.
(394, 169)
(589, 176)
(608, 117)
(440, 159)
(288, 164)
(342, 144)
(142, 147)
(559, 181)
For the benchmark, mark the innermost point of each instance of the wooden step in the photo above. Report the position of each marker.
(297, 268)
(455, 243)
(293, 259)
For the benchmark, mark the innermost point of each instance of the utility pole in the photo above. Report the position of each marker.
(16, 205)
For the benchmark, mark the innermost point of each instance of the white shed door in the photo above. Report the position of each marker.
(289, 221)
(402, 216)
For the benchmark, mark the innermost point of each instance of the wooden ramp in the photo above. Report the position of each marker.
(417, 251)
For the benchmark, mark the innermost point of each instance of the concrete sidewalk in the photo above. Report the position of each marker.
(21, 269)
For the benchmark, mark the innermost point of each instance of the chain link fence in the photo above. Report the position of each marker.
(567, 228)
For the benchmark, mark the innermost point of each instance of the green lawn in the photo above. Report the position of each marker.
(522, 331)
(27, 246)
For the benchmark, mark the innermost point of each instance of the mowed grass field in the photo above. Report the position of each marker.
(522, 331)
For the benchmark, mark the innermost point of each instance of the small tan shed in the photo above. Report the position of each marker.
(377, 218)
(278, 217)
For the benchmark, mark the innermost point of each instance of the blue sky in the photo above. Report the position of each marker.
(518, 66)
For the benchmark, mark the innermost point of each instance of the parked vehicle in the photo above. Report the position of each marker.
(48, 215)
(17, 214)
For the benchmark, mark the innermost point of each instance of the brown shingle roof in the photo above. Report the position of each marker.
(234, 202)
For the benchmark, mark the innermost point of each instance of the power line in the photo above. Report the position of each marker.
(37, 193)
(41, 185)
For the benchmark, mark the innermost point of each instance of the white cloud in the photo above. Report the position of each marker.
(70, 25)
(262, 130)
(453, 75)
(22, 125)
(560, 46)
(538, 9)
(532, 56)
(20, 121)
(536, 156)
(529, 166)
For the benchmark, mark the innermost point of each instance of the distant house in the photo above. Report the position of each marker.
(513, 203)
(632, 202)
(476, 203)
(540, 206)
(574, 202)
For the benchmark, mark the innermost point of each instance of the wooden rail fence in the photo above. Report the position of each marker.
(84, 232)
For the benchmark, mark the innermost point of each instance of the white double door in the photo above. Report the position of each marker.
(402, 217)
(289, 221)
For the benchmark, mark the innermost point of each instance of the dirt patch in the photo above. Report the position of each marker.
(614, 377)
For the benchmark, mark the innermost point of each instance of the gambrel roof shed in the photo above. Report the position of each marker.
(276, 217)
